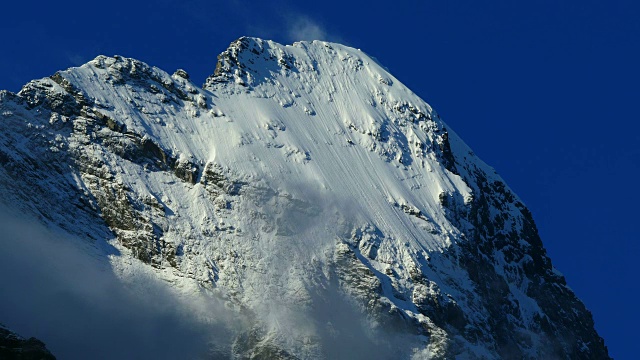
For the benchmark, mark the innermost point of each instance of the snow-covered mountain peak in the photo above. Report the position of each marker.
(300, 116)
(251, 61)
(294, 174)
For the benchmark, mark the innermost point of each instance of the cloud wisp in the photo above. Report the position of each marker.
(71, 299)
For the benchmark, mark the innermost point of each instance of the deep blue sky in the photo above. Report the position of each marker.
(545, 91)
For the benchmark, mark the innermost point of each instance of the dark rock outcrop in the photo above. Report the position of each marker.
(15, 347)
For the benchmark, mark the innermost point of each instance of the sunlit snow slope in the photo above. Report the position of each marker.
(307, 188)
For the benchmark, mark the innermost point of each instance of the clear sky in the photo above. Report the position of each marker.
(545, 91)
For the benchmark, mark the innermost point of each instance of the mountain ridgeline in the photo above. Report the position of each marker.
(327, 206)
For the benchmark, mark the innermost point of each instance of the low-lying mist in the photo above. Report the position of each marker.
(64, 291)
(70, 298)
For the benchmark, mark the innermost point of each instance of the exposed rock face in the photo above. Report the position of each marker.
(298, 178)
(15, 347)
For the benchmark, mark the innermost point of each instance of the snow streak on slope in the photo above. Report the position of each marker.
(301, 181)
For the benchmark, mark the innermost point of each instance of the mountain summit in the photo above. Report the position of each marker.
(328, 207)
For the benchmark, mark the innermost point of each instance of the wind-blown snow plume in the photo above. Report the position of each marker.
(303, 28)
